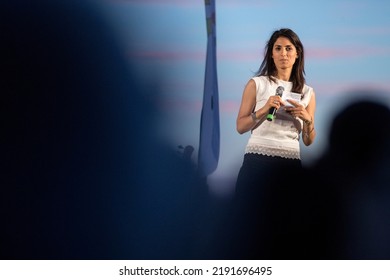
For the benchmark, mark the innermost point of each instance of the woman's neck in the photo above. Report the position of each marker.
(284, 74)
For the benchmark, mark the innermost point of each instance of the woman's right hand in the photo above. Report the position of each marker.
(275, 101)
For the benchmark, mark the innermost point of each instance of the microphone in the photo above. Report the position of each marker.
(272, 111)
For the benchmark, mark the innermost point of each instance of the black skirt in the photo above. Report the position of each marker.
(258, 171)
(265, 195)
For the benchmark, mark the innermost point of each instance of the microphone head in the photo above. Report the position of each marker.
(279, 91)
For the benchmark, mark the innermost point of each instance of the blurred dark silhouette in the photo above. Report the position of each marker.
(83, 175)
(353, 175)
(338, 208)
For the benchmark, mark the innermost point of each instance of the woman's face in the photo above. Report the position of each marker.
(284, 53)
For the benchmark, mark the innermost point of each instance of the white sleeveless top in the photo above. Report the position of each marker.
(279, 137)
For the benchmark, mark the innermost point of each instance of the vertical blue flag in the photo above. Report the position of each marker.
(209, 122)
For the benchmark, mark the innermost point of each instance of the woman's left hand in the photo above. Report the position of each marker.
(297, 110)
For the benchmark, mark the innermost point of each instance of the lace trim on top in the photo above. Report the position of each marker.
(269, 151)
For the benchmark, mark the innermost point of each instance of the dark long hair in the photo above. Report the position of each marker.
(268, 68)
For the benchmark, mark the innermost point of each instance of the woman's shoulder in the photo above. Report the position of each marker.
(262, 84)
(261, 81)
(260, 78)
(307, 89)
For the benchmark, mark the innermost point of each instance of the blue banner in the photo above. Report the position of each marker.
(209, 124)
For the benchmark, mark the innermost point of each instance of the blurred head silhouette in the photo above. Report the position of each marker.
(352, 191)
(360, 134)
(68, 99)
(78, 153)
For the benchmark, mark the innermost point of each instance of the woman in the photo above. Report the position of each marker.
(267, 214)
(274, 140)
